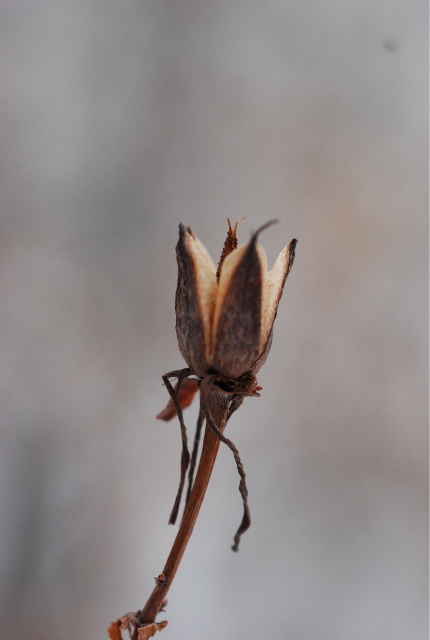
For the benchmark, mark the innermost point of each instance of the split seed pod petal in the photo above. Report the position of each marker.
(226, 327)
(237, 319)
(195, 300)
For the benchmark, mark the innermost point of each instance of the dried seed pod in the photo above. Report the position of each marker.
(224, 317)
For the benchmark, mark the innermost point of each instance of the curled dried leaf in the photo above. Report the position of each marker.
(150, 630)
(186, 393)
(114, 632)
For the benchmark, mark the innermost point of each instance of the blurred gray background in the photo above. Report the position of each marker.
(121, 119)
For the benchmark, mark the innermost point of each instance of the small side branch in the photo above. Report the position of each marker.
(185, 456)
(246, 520)
(195, 451)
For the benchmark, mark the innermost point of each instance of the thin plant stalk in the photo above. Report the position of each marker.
(218, 405)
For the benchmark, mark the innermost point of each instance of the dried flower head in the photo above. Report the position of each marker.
(224, 325)
(225, 316)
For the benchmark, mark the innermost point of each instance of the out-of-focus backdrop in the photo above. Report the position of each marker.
(119, 120)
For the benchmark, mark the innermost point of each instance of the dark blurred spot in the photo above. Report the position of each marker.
(391, 45)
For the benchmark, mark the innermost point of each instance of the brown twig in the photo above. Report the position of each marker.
(185, 456)
(194, 454)
(218, 402)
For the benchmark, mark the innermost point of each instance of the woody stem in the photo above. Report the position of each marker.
(218, 403)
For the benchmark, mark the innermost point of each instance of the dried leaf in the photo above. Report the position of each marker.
(150, 630)
(128, 619)
(187, 391)
(114, 632)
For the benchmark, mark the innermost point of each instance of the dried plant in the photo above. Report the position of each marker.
(224, 326)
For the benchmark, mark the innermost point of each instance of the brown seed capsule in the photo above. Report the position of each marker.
(225, 325)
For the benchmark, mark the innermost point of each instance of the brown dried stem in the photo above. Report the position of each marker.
(218, 403)
(185, 456)
(195, 451)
